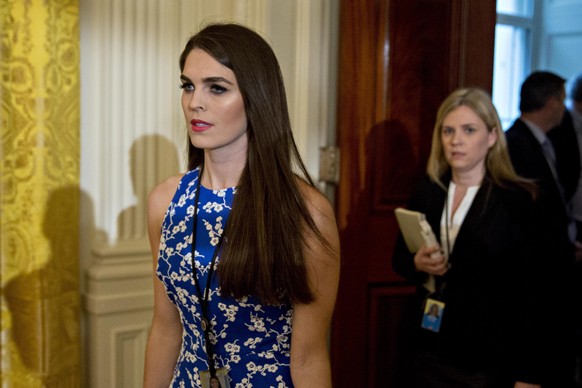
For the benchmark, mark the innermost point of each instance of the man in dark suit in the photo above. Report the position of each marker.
(533, 156)
(573, 120)
(565, 142)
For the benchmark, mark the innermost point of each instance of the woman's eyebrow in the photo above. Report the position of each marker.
(207, 80)
(216, 79)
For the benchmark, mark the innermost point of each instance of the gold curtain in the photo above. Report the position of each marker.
(39, 197)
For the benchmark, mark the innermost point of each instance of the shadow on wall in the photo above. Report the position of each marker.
(152, 158)
(45, 304)
(47, 327)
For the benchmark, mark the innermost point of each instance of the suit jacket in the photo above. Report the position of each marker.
(490, 293)
(565, 142)
(556, 289)
(529, 161)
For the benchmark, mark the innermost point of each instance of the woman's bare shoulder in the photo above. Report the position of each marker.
(161, 195)
(315, 199)
(319, 206)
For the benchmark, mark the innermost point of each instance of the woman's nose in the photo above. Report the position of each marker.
(457, 137)
(196, 102)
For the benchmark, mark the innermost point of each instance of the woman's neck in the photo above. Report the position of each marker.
(222, 172)
(463, 180)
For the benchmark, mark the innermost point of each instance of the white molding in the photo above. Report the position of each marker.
(128, 351)
(119, 269)
(135, 247)
(106, 305)
(116, 345)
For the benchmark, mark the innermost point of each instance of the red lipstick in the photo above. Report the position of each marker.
(199, 125)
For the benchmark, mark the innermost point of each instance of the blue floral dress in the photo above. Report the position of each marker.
(251, 340)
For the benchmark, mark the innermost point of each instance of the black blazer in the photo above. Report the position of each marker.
(556, 289)
(529, 161)
(490, 294)
(565, 143)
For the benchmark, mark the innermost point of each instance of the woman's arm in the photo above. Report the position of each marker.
(310, 364)
(165, 335)
(416, 266)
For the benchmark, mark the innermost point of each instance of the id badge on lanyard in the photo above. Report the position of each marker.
(213, 377)
(219, 380)
(432, 315)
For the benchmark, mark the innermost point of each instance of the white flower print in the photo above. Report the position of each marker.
(232, 348)
(229, 311)
(182, 200)
(235, 359)
(251, 342)
(257, 324)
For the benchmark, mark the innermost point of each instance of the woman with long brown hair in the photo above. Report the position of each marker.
(245, 247)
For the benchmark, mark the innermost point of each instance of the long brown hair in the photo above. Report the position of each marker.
(497, 163)
(265, 234)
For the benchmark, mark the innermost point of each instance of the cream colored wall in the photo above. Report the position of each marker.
(133, 135)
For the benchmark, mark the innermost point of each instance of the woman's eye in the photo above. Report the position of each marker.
(217, 89)
(186, 86)
(469, 129)
(447, 131)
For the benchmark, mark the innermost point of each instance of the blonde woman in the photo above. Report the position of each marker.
(485, 265)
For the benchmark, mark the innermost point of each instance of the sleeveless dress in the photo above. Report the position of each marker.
(251, 340)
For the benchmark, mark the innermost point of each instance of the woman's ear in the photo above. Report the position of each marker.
(492, 138)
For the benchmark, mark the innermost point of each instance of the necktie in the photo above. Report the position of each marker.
(550, 155)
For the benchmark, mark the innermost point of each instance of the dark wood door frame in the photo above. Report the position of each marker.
(398, 60)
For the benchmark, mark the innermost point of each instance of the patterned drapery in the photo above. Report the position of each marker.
(39, 197)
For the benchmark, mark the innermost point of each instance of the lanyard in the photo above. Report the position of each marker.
(205, 324)
(441, 280)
